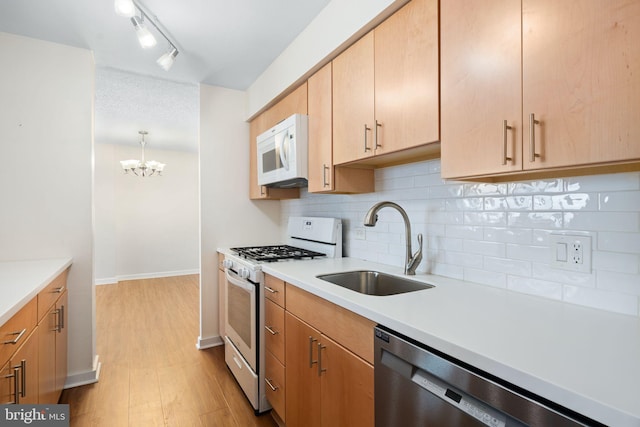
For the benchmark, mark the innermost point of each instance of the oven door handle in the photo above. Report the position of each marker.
(242, 284)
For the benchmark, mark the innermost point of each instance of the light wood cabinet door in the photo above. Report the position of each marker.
(274, 372)
(26, 360)
(347, 387)
(274, 329)
(52, 357)
(320, 130)
(62, 344)
(481, 88)
(407, 100)
(302, 380)
(581, 80)
(353, 102)
(6, 384)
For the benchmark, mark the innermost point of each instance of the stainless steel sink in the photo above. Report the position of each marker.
(374, 282)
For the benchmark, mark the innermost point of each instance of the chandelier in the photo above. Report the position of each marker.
(141, 167)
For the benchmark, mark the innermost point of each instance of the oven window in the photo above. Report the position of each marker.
(239, 312)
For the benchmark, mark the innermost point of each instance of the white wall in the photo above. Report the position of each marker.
(498, 234)
(145, 227)
(46, 142)
(228, 217)
(340, 23)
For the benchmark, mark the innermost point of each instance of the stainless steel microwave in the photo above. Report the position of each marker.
(282, 153)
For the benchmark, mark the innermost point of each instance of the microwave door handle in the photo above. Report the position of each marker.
(283, 142)
(239, 282)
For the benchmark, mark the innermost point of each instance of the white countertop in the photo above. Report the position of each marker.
(585, 359)
(20, 281)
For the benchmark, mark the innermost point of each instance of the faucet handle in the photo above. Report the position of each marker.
(416, 258)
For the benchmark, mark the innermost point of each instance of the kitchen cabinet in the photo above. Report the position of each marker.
(52, 360)
(324, 177)
(20, 374)
(294, 103)
(386, 91)
(539, 86)
(275, 368)
(17, 347)
(52, 338)
(329, 374)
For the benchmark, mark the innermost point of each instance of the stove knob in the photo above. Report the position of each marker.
(243, 273)
(227, 263)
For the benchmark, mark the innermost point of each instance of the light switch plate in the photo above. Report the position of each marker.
(570, 252)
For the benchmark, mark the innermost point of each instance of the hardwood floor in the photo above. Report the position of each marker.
(152, 374)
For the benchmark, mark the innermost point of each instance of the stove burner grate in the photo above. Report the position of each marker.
(275, 253)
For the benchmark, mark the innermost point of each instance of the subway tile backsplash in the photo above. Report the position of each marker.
(498, 234)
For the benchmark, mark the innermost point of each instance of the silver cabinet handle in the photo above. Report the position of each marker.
(366, 128)
(532, 137)
(56, 325)
(16, 369)
(23, 377)
(16, 339)
(58, 290)
(320, 368)
(268, 289)
(505, 128)
(325, 169)
(311, 361)
(273, 388)
(61, 318)
(271, 331)
(378, 125)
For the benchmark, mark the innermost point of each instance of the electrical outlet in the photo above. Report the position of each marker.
(359, 233)
(571, 252)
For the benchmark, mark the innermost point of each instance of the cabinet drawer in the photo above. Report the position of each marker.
(48, 296)
(17, 329)
(345, 327)
(274, 374)
(274, 289)
(274, 329)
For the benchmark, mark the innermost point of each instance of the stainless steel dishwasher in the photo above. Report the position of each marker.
(418, 386)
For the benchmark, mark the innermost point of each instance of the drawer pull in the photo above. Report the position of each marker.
(16, 339)
(271, 331)
(268, 289)
(273, 388)
(58, 290)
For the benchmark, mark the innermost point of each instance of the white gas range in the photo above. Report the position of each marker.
(308, 238)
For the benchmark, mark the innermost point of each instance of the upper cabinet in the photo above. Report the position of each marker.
(294, 103)
(385, 91)
(539, 86)
(323, 176)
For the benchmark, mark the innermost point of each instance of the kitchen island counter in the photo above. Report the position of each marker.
(20, 281)
(584, 359)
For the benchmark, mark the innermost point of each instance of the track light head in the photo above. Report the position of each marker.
(125, 8)
(146, 39)
(166, 61)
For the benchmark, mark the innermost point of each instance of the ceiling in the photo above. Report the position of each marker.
(221, 42)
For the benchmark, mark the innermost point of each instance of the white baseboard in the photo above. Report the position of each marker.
(209, 342)
(84, 378)
(112, 280)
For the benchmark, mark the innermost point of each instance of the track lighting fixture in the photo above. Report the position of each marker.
(125, 8)
(167, 60)
(145, 37)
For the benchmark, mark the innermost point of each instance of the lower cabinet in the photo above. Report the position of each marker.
(52, 361)
(327, 383)
(19, 377)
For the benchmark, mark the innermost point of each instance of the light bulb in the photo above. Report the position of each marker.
(167, 60)
(145, 37)
(125, 8)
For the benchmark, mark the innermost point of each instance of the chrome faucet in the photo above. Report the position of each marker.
(411, 261)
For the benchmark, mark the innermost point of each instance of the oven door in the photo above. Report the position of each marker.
(240, 317)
